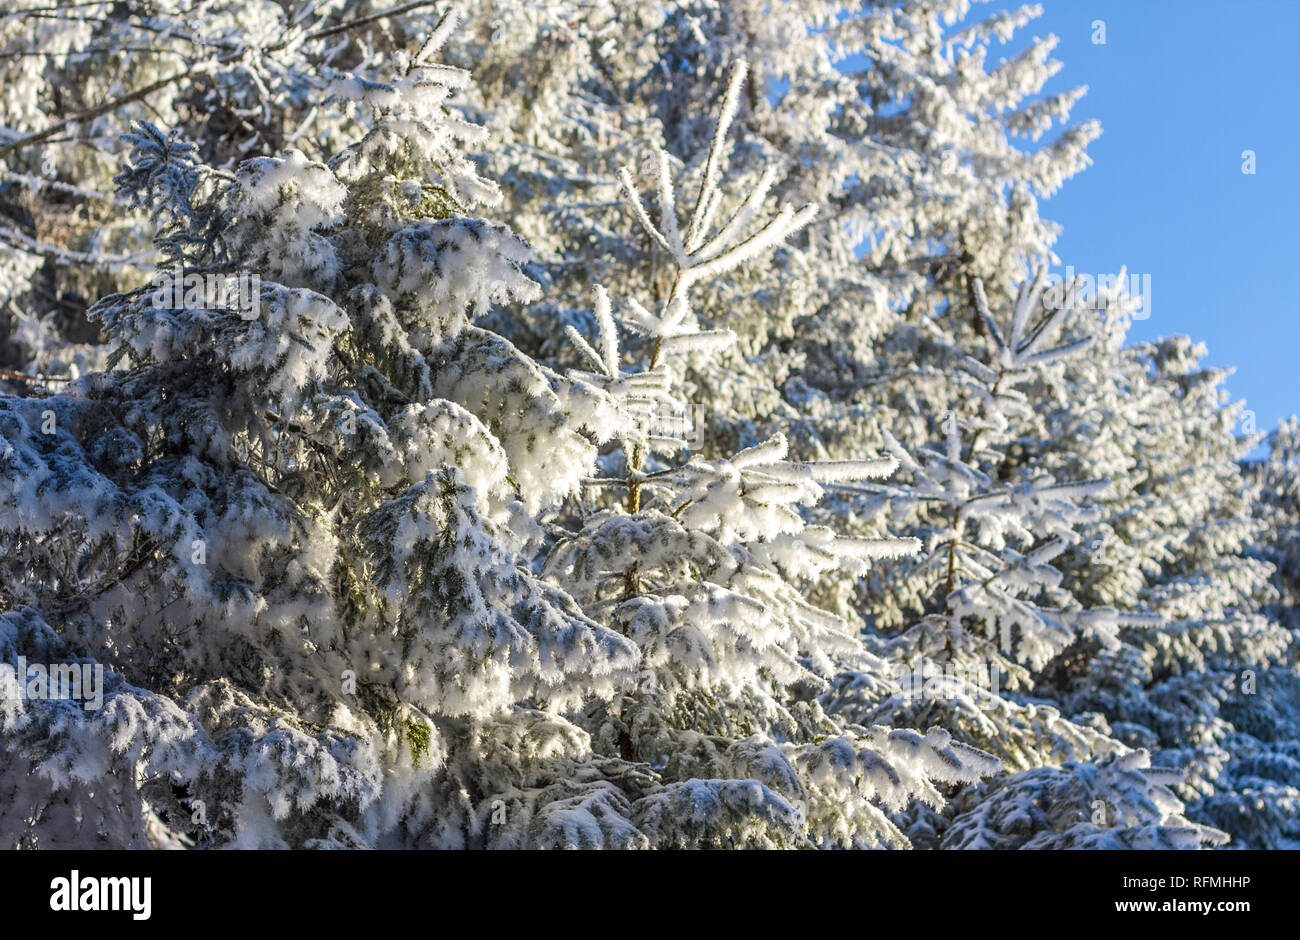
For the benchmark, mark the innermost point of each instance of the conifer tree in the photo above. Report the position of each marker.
(289, 531)
(665, 516)
(1173, 537)
(1278, 478)
(701, 564)
(995, 612)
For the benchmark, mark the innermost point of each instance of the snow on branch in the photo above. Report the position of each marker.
(699, 256)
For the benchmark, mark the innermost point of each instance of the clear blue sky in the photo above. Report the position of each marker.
(1181, 88)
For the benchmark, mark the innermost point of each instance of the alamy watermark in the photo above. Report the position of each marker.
(674, 421)
(931, 681)
(79, 892)
(76, 682)
(173, 289)
(1090, 291)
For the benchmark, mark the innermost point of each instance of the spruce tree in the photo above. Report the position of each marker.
(290, 531)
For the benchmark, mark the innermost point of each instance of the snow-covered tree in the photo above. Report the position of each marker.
(993, 609)
(288, 528)
(292, 526)
(670, 515)
(700, 564)
(1174, 537)
(1278, 477)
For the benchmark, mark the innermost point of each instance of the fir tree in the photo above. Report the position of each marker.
(701, 564)
(290, 531)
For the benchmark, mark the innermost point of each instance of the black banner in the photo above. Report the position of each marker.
(228, 891)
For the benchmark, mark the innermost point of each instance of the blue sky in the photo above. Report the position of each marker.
(1181, 88)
